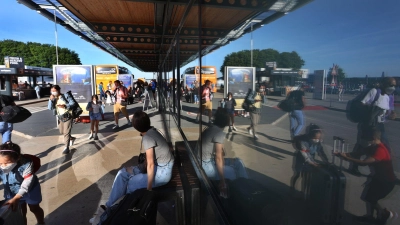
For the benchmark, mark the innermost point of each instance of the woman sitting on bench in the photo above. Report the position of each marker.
(213, 162)
(159, 162)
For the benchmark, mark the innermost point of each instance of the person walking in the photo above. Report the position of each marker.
(383, 99)
(96, 111)
(296, 115)
(62, 106)
(340, 91)
(37, 90)
(102, 92)
(206, 104)
(5, 127)
(254, 99)
(121, 97)
(195, 90)
(229, 104)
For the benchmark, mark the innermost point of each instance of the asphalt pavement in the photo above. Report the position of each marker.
(77, 183)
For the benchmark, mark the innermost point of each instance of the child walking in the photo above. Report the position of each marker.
(95, 108)
(21, 185)
(229, 105)
(109, 100)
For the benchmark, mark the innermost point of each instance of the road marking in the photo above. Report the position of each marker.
(22, 134)
(34, 109)
(280, 119)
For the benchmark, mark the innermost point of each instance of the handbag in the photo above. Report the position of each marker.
(13, 113)
(64, 117)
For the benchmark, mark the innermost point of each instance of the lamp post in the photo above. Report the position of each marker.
(251, 40)
(55, 28)
(251, 44)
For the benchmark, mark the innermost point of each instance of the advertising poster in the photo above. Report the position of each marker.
(105, 74)
(189, 80)
(125, 79)
(319, 84)
(239, 80)
(75, 78)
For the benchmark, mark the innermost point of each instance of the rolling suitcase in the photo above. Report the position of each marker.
(326, 190)
(251, 203)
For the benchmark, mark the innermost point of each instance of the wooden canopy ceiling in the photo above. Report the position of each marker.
(145, 33)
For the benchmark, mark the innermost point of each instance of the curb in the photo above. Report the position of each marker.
(32, 102)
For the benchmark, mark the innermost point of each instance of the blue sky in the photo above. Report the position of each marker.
(361, 36)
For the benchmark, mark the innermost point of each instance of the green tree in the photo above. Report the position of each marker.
(260, 57)
(36, 54)
(341, 75)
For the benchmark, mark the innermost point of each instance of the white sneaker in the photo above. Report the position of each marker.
(234, 128)
(250, 131)
(90, 136)
(71, 141)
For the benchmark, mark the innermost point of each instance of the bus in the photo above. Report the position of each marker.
(107, 73)
(207, 73)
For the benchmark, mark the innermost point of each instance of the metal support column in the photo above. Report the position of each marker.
(178, 69)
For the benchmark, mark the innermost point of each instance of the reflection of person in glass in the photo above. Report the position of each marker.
(254, 100)
(213, 162)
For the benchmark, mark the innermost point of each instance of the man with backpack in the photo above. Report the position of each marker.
(382, 102)
(296, 115)
(62, 106)
(253, 100)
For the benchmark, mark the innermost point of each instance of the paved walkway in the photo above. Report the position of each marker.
(74, 185)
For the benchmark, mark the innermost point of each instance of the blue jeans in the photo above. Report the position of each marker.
(5, 130)
(125, 182)
(196, 98)
(102, 95)
(296, 122)
(233, 169)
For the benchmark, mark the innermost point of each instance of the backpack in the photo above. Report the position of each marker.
(77, 110)
(357, 112)
(36, 164)
(289, 104)
(13, 113)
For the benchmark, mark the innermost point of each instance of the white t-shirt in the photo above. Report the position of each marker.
(382, 102)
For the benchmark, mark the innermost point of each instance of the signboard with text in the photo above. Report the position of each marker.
(14, 62)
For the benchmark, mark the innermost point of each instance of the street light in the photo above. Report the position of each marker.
(55, 25)
(251, 41)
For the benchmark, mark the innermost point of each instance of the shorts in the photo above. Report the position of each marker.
(95, 116)
(33, 197)
(230, 111)
(207, 105)
(376, 190)
(118, 107)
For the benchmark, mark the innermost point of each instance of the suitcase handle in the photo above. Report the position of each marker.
(342, 142)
